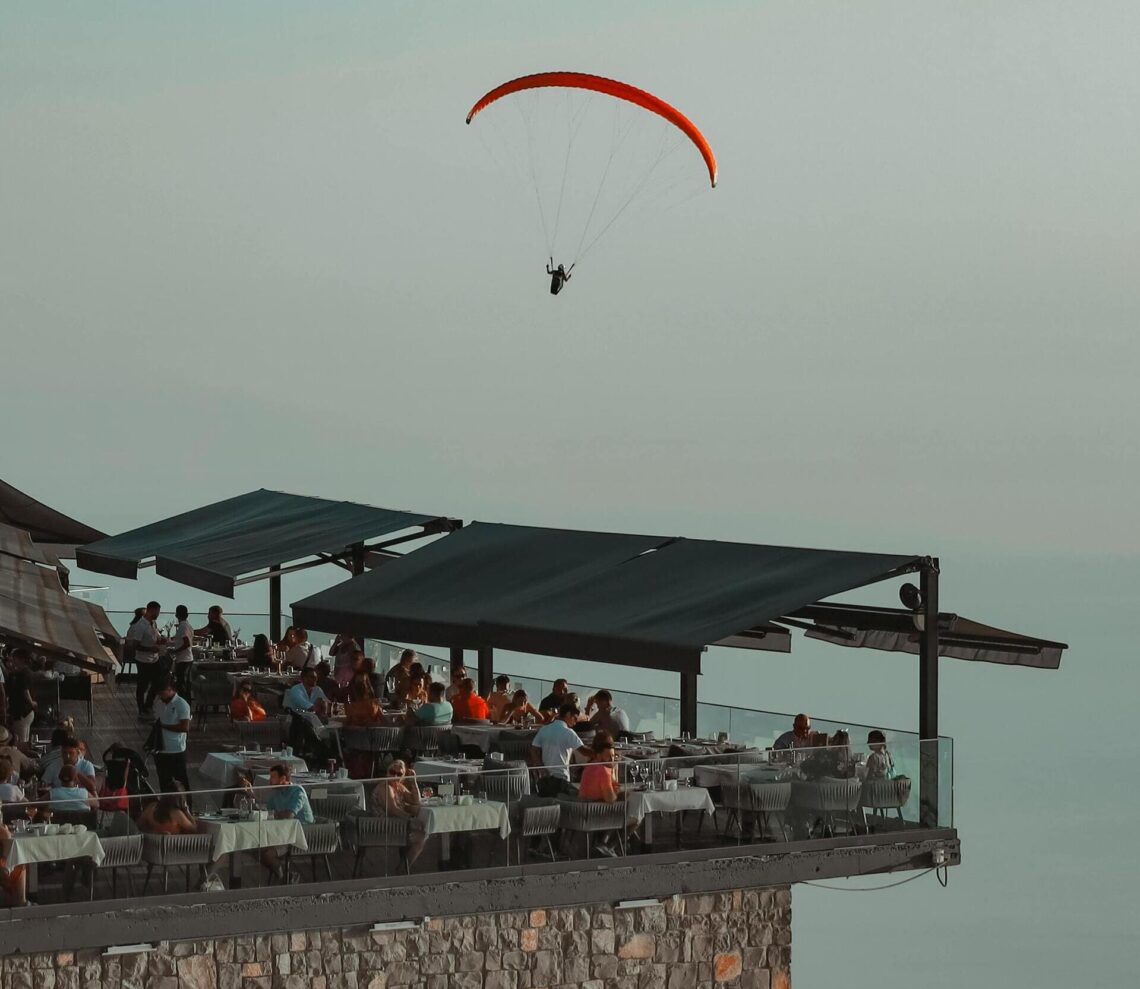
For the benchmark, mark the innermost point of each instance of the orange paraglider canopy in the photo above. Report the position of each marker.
(611, 87)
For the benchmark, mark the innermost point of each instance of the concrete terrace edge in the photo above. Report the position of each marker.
(235, 913)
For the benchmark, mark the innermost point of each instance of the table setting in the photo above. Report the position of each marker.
(222, 767)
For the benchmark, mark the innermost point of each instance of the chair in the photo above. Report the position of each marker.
(210, 693)
(882, 795)
(119, 852)
(430, 740)
(173, 850)
(78, 688)
(270, 732)
(534, 817)
(363, 831)
(334, 807)
(507, 787)
(825, 799)
(374, 740)
(323, 838)
(513, 747)
(592, 816)
(770, 800)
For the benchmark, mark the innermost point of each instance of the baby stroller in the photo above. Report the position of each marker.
(126, 784)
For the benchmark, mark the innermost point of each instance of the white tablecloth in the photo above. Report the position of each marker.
(222, 767)
(642, 803)
(487, 816)
(485, 736)
(237, 836)
(26, 849)
(445, 769)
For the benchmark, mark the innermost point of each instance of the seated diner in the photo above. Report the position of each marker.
(245, 706)
(435, 712)
(467, 705)
(519, 709)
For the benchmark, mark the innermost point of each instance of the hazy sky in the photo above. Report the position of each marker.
(246, 245)
(255, 246)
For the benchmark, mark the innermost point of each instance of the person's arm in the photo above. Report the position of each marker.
(534, 756)
(179, 727)
(413, 790)
(591, 701)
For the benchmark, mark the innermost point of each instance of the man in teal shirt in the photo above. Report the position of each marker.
(287, 800)
(436, 711)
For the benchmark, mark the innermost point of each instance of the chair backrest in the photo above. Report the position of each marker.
(539, 820)
(335, 806)
(178, 849)
(370, 830)
(429, 738)
(506, 787)
(769, 796)
(838, 794)
(271, 731)
(321, 837)
(885, 793)
(121, 850)
(513, 747)
(591, 815)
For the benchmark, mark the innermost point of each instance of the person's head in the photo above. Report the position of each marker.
(466, 687)
(243, 779)
(245, 690)
(358, 659)
(502, 684)
(290, 637)
(603, 749)
(19, 658)
(171, 802)
(561, 269)
(261, 647)
(604, 699)
(59, 735)
(166, 688)
(279, 775)
(436, 692)
(69, 751)
(407, 657)
(841, 737)
(397, 769)
(182, 612)
(309, 678)
(876, 740)
(417, 670)
(458, 675)
(301, 635)
(139, 612)
(601, 735)
(360, 688)
(802, 725)
(559, 687)
(153, 610)
(215, 613)
(68, 776)
(519, 697)
(323, 669)
(569, 712)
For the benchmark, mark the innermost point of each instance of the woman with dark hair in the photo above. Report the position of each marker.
(261, 652)
(169, 814)
(245, 706)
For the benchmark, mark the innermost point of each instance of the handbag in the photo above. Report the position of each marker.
(153, 741)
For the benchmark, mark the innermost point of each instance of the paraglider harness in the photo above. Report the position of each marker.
(559, 277)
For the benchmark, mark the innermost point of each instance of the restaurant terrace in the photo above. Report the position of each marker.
(709, 796)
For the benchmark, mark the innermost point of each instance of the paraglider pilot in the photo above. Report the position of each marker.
(558, 276)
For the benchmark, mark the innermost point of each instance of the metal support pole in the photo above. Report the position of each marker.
(486, 670)
(689, 703)
(928, 781)
(456, 658)
(357, 559)
(275, 604)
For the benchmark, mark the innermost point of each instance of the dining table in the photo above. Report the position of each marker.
(234, 834)
(222, 767)
(30, 848)
(446, 816)
(643, 804)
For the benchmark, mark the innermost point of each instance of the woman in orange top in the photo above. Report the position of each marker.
(362, 707)
(599, 779)
(244, 706)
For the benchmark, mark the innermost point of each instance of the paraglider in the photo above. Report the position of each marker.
(559, 276)
(577, 173)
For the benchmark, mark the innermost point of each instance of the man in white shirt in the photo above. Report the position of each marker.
(147, 643)
(609, 718)
(173, 715)
(306, 695)
(552, 748)
(303, 655)
(182, 646)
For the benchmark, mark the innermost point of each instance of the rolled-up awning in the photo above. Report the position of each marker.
(896, 630)
(650, 601)
(213, 547)
(36, 610)
(43, 524)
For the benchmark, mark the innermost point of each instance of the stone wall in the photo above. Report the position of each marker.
(739, 939)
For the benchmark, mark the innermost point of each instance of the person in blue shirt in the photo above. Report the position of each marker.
(286, 801)
(69, 755)
(68, 796)
(306, 695)
(173, 716)
(436, 711)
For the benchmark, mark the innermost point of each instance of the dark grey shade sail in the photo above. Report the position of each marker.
(43, 524)
(649, 601)
(211, 547)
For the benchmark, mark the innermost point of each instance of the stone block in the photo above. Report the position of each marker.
(18, 980)
(637, 946)
(604, 967)
(229, 976)
(165, 982)
(547, 969)
(576, 967)
(400, 974)
(297, 941)
(653, 977)
(282, 964)
(537, 918)
(252, 970)
(466, 980)
(781, 979)
(515, 961)
(197, 972)
(602, 942)
(64, 958)
(756, 978)
(469, 961)
(500, 980)
(670, 947)
(727, 966)
(160, 965)
(67, 977)
(528, 939)
(436, 982)
(377, 980)
(603, 919)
